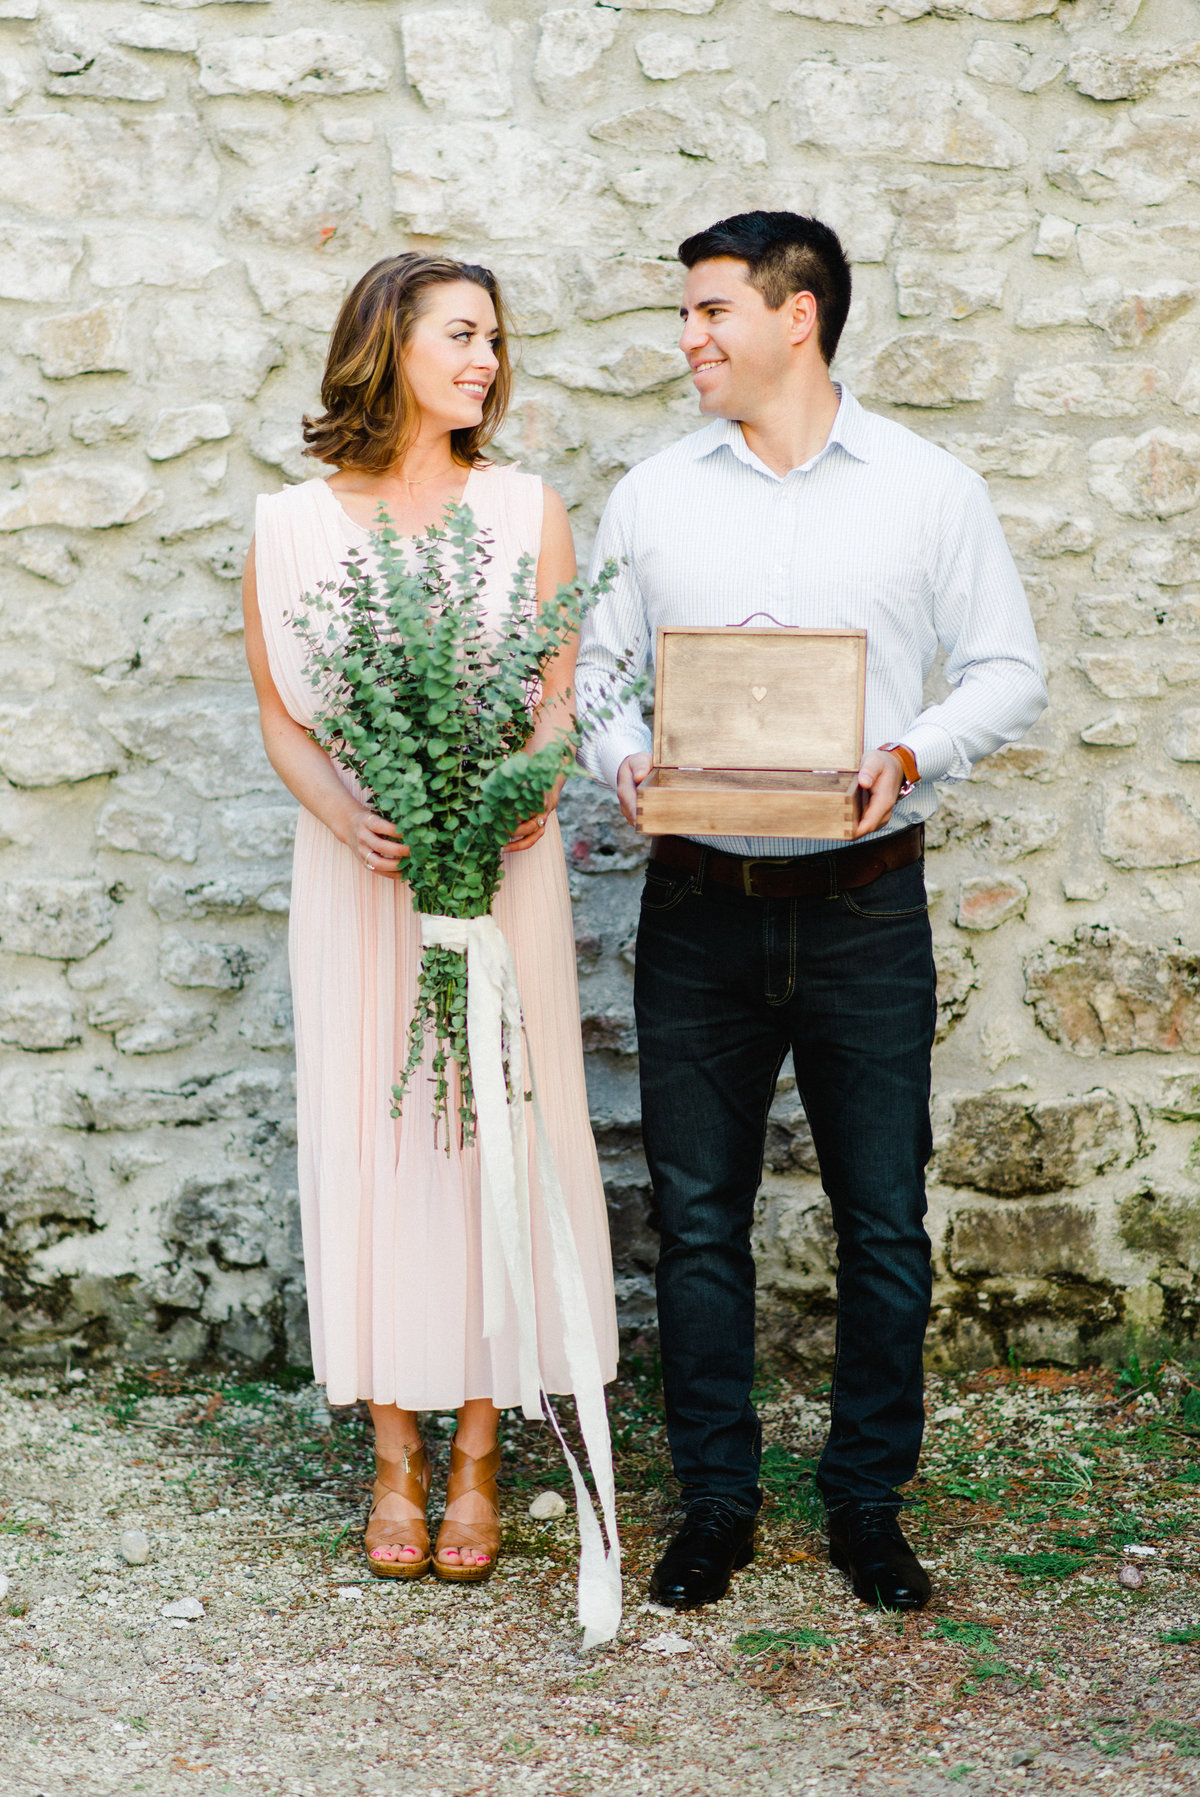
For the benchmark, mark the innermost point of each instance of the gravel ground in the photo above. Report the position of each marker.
(1033, 1667)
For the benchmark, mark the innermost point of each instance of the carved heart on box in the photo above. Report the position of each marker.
(760, 692)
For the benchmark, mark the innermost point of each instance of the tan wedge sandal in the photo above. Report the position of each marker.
(409, 1477)
(481, 1538)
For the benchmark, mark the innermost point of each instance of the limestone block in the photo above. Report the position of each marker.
(533, 293)
(1000, 1142)
(180, 428)
(36, 261)
(221, 966)
(1156, 475)
(1164, 1225)
(1012, 65)
(279, 443)
(1150, 829)
(139, 1025)
(178, 1288)
(1179, 1098)
(1101, 15)
(38, 1021)
(94, 70)
(1030, 1240)
(47, 556)
(976, 215)
(170, 36)
(605, 286)
(151, 259)
(1089, 389)
(1168, 561)
(985, 901)
(666, 55)
(538, 430)
(1125, 316)
(1106, 994)
(200, 348)
(23, 427)
(1004, 834)
(266, 1022)
(635, 368)
(103, 424)
(1131, 74)
(67, 166)
(455, 57)
(171, 900)
(1187, 398)
(856, 12)
(305, 210)
(1055, 237)
(931, 369)
(289, 65)
(14, 83)
(1140, 158)
(40, 1179)
(685, 6)
(63, 920)
(139, 828)
(1121, 674)
(860, 212)
(1044, 531)
(957, 978)
(883, 109)
(1183, 737)
(924, 289)
(49, 745)
(245, 1092)
(680, 125)
(265, 830)
(83, 495)
(302, 294)
(226, 1218)
(501, 180)
(1021, 455)
(571, 44)
(215, 750)
(91, 342)
(1116, 614)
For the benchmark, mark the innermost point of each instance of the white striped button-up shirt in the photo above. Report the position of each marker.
(880, 531)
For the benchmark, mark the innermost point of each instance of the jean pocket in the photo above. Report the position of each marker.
(898, 893)
(664, 888)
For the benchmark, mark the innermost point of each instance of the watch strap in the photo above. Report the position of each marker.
(908, 764)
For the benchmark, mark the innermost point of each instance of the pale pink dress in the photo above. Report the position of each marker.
(391, 1222)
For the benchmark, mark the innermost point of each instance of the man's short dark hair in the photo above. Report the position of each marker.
(785, 253)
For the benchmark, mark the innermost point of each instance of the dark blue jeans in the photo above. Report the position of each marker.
(725, 985)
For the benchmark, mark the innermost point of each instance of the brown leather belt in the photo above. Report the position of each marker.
(802, 876)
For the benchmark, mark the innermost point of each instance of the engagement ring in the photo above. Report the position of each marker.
(370, 865)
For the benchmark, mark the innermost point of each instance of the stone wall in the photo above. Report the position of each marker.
(188, 186)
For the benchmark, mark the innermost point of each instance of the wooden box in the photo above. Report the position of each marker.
(757, 732)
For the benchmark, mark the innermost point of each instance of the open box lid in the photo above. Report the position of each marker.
(759, 698)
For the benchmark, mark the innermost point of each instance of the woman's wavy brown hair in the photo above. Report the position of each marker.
(370, 414)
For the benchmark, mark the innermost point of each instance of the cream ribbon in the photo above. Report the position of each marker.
(495, 1034)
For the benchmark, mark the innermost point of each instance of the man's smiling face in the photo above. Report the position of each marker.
(738, 349)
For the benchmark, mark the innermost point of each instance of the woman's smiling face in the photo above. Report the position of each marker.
(450, 360)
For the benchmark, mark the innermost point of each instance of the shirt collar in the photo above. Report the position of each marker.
(849, 432)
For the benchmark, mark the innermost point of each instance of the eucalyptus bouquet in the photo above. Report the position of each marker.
(431, 712)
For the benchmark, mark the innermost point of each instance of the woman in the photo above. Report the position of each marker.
(416, 383)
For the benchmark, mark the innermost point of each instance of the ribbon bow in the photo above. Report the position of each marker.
(495, 1042)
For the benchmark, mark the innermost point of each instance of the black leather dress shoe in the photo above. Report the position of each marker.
(866, 1543)
(714, 1541)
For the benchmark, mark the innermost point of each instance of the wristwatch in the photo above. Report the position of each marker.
(908, 763)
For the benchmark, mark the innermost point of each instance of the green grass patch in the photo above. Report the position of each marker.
(1189, 1637)
(758, 1641)
(956, 1774)
(1183, 1736)
(1189, 1476)
(1111, 1741)
(965, 1634)
(789, 1481)
(1034, 1567)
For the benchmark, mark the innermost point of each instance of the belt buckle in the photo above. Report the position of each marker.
(748, 886)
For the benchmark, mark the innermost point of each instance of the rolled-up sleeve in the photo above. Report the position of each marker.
(613, 650)
(982, 620)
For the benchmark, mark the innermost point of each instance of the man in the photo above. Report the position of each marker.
(797, 502)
